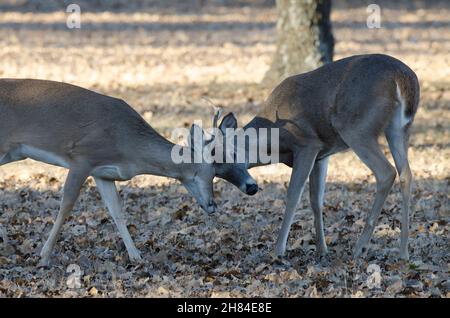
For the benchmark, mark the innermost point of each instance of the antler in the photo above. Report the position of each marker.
(217, 114)
(217, 111)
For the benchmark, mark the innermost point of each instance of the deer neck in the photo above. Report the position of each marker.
(156, 159)
(264, 141)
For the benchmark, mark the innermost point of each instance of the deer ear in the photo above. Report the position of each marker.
(196, 135)
(229, 121)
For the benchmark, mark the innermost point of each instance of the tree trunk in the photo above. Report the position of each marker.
(304, 38)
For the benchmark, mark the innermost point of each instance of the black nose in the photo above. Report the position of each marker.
(251, 188)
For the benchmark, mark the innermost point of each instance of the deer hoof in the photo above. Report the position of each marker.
(404, 255)
(135, 256)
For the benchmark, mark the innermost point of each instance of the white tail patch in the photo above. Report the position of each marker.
(400, 115)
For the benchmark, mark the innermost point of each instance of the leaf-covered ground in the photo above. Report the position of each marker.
(162, 58)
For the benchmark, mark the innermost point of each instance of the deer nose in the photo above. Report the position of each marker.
(251, 188)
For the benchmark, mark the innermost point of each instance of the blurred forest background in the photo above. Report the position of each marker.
(162, 57)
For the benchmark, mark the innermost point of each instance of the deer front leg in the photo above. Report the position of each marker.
(302, 165)
(316, 192)
(109, 194)
(74, 181)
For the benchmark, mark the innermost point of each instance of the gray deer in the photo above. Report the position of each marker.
(91, 135)
(345, 104)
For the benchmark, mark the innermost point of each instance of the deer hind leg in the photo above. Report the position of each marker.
(368, 150)
(72, 186)
(316, 192)
(109, 194)
(302, 166)
(397, 138)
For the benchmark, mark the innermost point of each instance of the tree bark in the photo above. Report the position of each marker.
(304, 38)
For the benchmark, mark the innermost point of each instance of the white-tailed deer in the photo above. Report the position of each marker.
(345, 104)
(91, 135)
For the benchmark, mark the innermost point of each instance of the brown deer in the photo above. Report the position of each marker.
(345, 104)
(91, 135)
